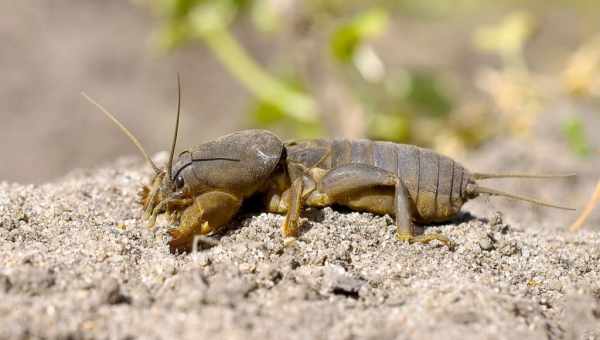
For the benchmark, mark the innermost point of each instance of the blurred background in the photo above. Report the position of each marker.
(502, 85)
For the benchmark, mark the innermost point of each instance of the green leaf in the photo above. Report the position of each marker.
(508, 37)
(266, 113)
(573, 130)
(392, 127)
(172, 35)
(348, 37)
(426, 93)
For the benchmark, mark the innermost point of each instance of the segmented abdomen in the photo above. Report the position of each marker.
(434, 182)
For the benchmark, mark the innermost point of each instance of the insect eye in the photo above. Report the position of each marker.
(179, 182)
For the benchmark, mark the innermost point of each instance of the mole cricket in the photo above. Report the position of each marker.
(206, 185)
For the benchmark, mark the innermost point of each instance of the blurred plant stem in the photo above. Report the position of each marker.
(229, 52)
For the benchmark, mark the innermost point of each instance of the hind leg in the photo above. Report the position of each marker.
(365, 187)
(406, 228)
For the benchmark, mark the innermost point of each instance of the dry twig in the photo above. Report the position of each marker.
(587, 210)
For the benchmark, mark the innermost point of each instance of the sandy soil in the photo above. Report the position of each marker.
(76, 262)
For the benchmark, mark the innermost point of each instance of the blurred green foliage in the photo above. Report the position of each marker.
(575, 133)
(507, 38)
(347, 38)
(343, 72)
(427, 95)
(209, 21)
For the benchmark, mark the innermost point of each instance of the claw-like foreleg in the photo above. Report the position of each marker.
(167, 206)
(208, 213)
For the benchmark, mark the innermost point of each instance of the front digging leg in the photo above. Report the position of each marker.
(208, 213)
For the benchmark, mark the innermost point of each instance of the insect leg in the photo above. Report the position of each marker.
(405, 228)
(352, 177)
(210, 211)
(294, 204)
(162, 207)
(276, 188)
(366, 187)
(357, 186)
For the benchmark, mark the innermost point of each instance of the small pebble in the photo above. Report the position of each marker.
(5, 283)
(339, 282)
(109, 292)
(486, 244)
(555, 285)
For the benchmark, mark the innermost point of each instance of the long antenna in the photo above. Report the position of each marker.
(478, 175)
(170, 164)
(125, 130)
(484, 190)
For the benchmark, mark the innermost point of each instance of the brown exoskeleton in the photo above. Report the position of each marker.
(206, 186)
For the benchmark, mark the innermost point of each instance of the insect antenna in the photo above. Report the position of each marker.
(170, 164)
(489, 191)
(479, 175)
(125, 130)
